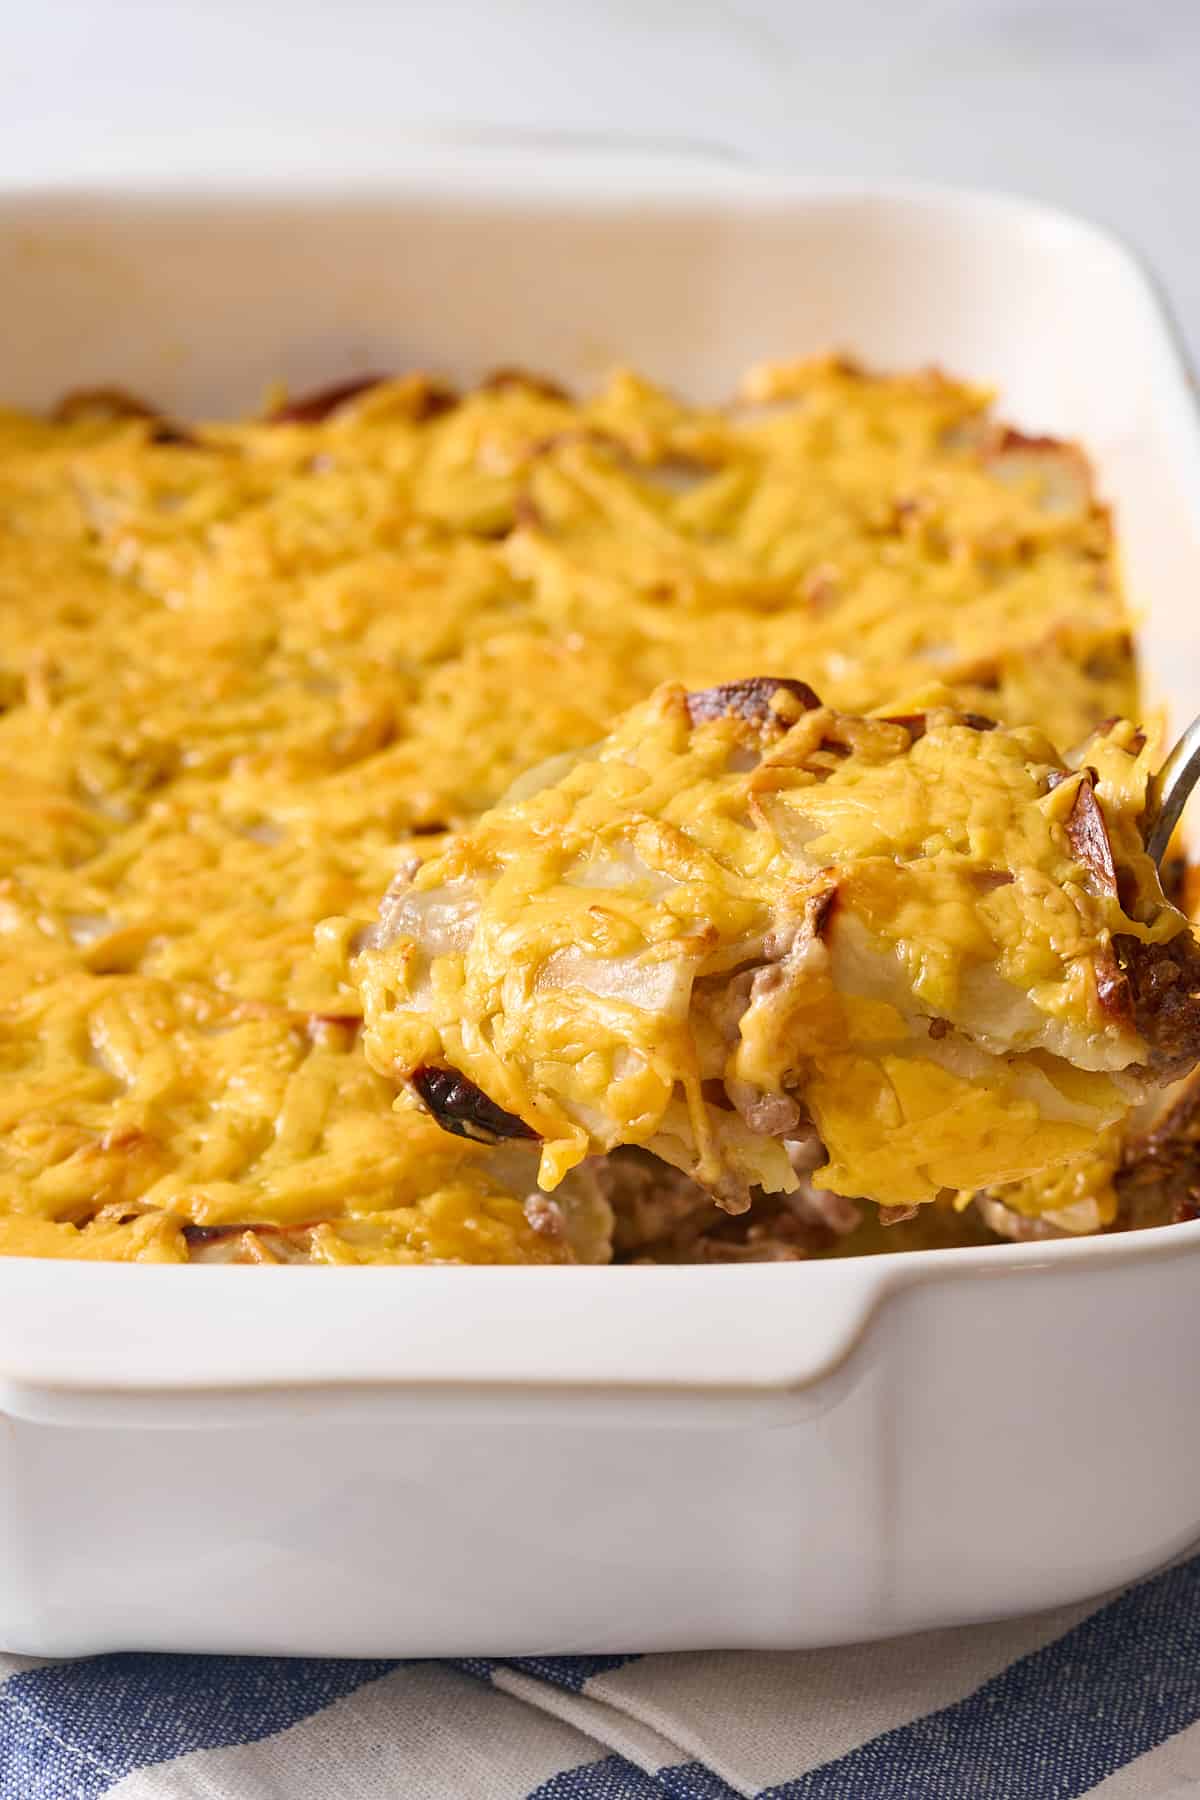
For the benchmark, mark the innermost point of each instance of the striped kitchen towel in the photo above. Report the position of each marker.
(1098, 1699)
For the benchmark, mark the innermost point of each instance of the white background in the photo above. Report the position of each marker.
(1091, 103)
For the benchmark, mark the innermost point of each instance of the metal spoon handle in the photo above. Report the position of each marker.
(1169, 791)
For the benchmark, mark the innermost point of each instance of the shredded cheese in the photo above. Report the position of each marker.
(248, 669)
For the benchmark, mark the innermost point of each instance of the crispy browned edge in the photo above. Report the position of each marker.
(429, 400)
(748, 700)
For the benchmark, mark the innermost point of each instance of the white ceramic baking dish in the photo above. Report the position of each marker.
(458, 1460)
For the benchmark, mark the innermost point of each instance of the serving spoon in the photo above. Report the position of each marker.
(1169, 791)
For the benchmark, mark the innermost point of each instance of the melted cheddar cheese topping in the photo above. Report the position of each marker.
(249, 669)
(887, 919)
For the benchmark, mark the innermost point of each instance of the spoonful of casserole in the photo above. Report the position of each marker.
(763, 940)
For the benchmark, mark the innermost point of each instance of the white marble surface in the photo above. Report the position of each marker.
(1094, 104)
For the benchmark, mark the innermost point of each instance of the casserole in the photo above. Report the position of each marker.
(272, 663)
(476, 1461)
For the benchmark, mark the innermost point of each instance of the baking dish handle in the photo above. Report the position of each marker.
(169, 1348)
(124, 1346)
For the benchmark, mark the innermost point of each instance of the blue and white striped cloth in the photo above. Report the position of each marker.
(1100, 1699)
